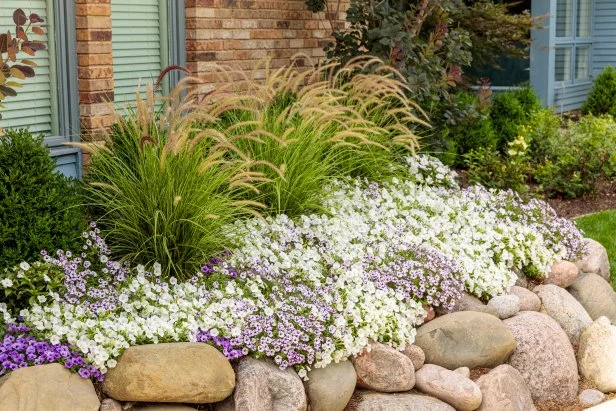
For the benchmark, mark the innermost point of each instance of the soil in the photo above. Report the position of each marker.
(603, 199)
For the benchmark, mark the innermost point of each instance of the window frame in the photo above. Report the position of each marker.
(574, 42)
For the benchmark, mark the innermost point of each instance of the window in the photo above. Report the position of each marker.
(573, 40)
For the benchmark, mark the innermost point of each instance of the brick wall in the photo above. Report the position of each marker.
(95, 67)
(242, 32)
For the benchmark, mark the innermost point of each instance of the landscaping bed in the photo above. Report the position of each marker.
(281, 245)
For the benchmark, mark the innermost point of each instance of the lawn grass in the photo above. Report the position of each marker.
(602, 228)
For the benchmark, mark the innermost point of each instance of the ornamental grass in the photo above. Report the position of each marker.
(173, 171)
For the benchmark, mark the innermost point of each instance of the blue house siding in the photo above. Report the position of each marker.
(570, 97)
(68, 161)
(604, 35)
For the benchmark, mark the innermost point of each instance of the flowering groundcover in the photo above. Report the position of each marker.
(306, 291)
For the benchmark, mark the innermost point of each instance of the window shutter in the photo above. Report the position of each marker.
(34, 105)
(138, 39)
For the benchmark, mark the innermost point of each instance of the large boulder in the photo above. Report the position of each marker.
(384, 369)
(331, 388)
(529, 301)
(597, 355)
(565, 310)
(562, 274)
(48, 387)
(372, 401)
(544, 356)
(465, 339)
(177, 372)
(448, 386)
(262, 385)
(504, 389)
(505, 305)
(596, 296)
(468, 303)
(596, 261)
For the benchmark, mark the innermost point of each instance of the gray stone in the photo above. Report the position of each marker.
(193, 373)
(521, 281)
(416, 354)
(372, 401)
(564, 309)
(465, 339)
(596, 261)
(331, 388)
(448, 386)
(529, 301)
(544, 356)
(109, 404)
(596, 296)
(163, 407)
(48, 387)
(562, 274)
(597, 355)
(263, 386)
(504, 389)
(384, 369)
(505, 305)
(468, 303)
(590, 398)
(465, 371)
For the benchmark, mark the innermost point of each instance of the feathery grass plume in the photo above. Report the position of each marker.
(161, 190)
(315, 124)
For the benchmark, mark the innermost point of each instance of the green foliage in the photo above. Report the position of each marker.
(38, 207)
(13, 44)
(472, 128)
(509, 111)
(602, 98)
(27, 282)
(490, 168)
(577, 157)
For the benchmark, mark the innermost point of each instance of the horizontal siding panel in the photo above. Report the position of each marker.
(32, 108)
(137, 47)
(571, 97)
(604, 32)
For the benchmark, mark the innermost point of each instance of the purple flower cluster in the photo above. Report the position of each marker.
(222, 343)
(19, 350)
(424, 275)
(83, 283)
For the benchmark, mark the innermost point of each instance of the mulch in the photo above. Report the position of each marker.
(603, 199)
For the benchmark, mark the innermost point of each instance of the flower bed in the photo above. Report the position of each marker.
(309, 290)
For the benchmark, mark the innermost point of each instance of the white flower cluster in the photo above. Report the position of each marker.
(330, 255)
(428, 170)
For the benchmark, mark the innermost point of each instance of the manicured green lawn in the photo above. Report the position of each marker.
(602, 227)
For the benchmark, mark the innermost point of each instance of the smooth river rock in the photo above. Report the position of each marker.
(504, 389)
(193, 373)
(468, 303)
(416, 354)
(263, 386)
(590, 398)
(384, 369)
(597, 355)
(529, 301)
(465, 339)
(372, 401)
(596, 296)
(48, 387)
(505, 305)
(596, 261)
(544, 356)
(564, 309)
(448, 386)
(331, 388)
(606, 406)
(562, 274)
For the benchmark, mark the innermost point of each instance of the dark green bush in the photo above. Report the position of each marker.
(38, 207)
(472, 129)
(602, 98)
(509, 111)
